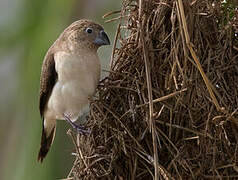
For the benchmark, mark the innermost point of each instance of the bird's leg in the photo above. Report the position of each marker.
(80, 129)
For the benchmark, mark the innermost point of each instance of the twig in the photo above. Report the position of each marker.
(114, 45)
(110, 13)
(164, 97)
(152, 126)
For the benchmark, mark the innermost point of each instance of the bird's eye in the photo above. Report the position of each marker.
(89, 30)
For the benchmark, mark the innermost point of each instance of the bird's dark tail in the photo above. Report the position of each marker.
(47, 138)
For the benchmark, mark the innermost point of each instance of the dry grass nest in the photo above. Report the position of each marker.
(169, 106)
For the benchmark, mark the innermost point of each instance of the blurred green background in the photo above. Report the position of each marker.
(27, 29)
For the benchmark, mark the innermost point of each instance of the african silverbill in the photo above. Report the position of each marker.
(69, 77)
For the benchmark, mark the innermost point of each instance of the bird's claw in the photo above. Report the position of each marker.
(80, 129)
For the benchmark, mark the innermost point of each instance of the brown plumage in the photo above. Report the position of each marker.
(45, 143)
(70, 74)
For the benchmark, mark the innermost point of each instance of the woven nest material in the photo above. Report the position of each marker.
(169, 107)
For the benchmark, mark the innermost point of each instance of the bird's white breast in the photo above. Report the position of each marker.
(78, 76)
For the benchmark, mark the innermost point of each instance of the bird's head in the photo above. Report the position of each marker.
(85, 34)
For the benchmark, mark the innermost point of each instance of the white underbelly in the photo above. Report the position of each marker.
(69, 98)
(77, 81)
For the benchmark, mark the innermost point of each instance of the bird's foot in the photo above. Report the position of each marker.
(80, 129)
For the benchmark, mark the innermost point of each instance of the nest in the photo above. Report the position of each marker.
(168, 108)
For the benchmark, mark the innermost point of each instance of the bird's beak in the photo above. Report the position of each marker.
(102, 39)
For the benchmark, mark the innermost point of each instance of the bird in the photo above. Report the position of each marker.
(69, 77)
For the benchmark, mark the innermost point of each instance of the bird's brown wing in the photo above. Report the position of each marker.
(48, 79)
